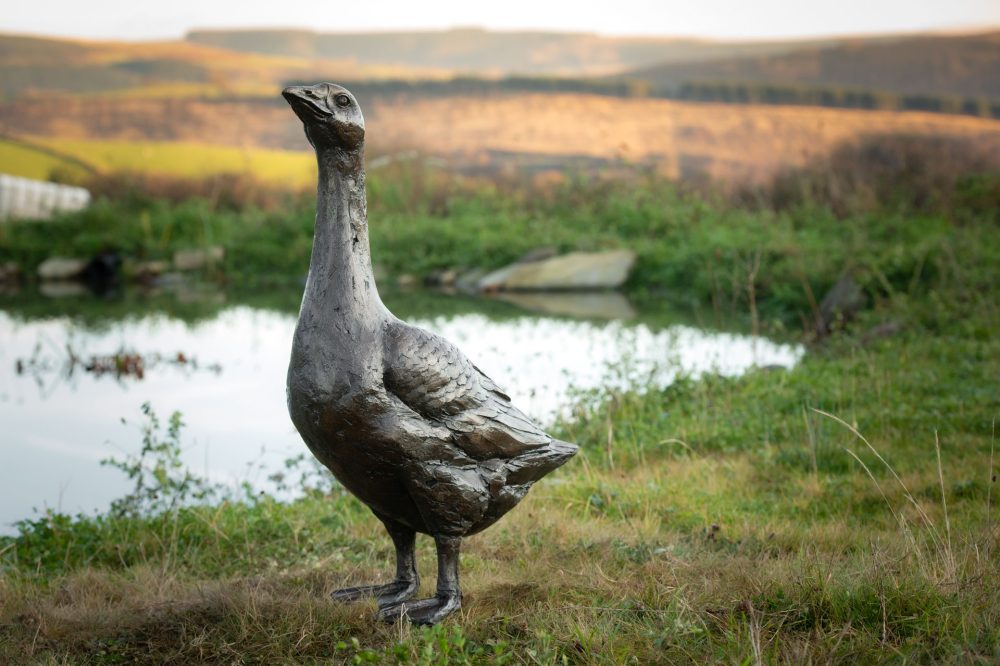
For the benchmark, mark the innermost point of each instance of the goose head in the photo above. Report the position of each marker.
(330, 113)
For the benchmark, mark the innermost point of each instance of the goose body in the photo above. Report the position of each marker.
(399, 415)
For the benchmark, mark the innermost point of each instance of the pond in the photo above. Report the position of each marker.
(75, 371)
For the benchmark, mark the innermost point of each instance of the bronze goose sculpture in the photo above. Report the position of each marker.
(400, 416)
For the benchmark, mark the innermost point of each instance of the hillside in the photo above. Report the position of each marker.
(474, 133)
(679, 139)
(254, 63)
(474, 50)
(80, 93)
(161, 69)
(963, 65)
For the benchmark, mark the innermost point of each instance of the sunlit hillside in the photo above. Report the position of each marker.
(966, 65)
(98, 101)
(677, 138)
(537, 132)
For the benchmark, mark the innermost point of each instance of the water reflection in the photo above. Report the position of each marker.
(593, 305)
(55, 433)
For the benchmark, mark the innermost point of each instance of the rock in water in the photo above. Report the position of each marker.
(10, 271)
(194, 260)
(61, 268)
(582, 305)
(147, 270)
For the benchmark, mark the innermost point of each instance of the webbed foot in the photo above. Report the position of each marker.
(422, 611)
(395, 592)
(448, 598)
(407, 580)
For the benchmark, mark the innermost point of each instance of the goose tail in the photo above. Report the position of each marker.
(533, 465)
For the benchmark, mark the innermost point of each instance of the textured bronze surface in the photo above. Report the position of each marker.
(400, 416)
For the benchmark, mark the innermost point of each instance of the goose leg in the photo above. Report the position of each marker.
(407, 580)
(448, 598)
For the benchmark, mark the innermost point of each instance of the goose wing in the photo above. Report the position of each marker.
(434, 379)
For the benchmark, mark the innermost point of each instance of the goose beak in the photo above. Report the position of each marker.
(295, 95)
(305, 106)
(293, 92)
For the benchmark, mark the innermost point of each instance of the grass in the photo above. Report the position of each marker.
(690, 250)
(676, 538)
(838, 512)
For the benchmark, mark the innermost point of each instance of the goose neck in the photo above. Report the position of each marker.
(340, 269)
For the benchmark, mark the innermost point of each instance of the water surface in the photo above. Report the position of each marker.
(58, 420)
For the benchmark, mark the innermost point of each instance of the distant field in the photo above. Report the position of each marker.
(290, 168)
(23, 161)
(742, 142)
(535, 131)
(280, 167)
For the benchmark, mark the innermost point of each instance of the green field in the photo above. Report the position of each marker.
(283, 168)
(192, 160)
(838, 512)
(22, 160)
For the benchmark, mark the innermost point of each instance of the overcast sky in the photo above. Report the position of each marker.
(145, 19)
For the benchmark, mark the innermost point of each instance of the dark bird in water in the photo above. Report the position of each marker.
(400, 416)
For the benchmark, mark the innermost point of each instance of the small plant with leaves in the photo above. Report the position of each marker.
(162, 482)
(313, 478)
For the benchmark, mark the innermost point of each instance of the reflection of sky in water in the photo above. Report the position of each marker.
(53, 436)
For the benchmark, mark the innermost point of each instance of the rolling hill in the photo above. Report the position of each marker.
(959, 65)
(212, 101)
(486, 52)
(255, 62)
(162, 69)
(555, 132)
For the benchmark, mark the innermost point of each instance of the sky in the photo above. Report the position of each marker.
(751, 19)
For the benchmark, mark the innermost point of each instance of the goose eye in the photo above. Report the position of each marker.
(342, 100)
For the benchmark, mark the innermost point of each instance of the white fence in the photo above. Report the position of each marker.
(23, 198)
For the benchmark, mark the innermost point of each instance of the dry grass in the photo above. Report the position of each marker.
(564, 576)
(765, 538)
